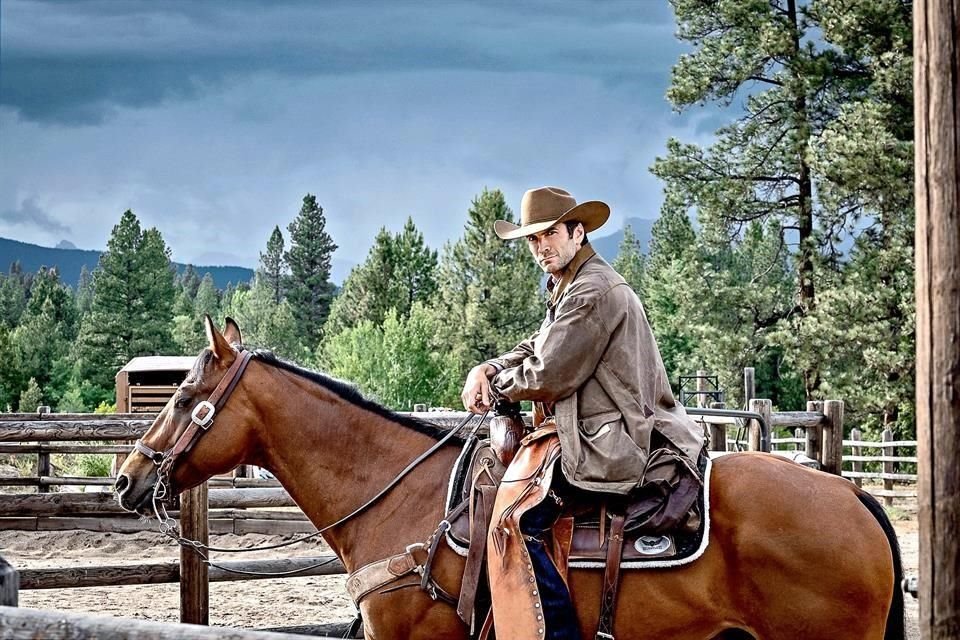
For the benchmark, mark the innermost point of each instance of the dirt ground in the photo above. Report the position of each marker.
(248, 604)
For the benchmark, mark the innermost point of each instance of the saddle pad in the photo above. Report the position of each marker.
(643, 551)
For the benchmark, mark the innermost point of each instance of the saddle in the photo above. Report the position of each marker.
(660, 526)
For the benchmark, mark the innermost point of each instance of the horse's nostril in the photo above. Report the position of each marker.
(121, 484)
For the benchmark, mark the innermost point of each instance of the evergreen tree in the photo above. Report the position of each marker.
(799, 67)
(12, 381)
(45, 334)
(188, 325)
(489, 293)
(666, 284)
(84, 297)
(415, 268)
(31, 397)
(207, 300)
(264, 323)
(399, 270)
(189, 281)
(630, 260)
(131, 312)
(311, 250)
(13, 296)
(273, 266)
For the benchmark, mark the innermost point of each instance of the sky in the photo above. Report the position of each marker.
(212, 119)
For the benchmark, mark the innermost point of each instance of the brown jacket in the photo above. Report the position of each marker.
(596, 358)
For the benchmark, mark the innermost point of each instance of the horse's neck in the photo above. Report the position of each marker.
(333, 456)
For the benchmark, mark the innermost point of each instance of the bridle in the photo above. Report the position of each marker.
(201, 420)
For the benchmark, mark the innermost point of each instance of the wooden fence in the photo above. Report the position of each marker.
(249, 507)
(871, 460)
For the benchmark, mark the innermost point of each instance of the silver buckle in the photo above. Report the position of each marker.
(204, 420)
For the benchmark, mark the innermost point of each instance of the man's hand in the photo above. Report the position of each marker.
(476, 394)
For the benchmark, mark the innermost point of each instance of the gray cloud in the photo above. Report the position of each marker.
(29, 214)
(136, 54)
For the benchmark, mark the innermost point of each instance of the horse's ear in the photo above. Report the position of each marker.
(218, 344)
(231, 332)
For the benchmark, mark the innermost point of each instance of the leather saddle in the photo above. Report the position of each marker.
(477, 475)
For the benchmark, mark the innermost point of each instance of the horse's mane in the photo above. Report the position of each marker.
(351, 394)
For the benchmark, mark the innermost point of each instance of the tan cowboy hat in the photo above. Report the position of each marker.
(544, 207)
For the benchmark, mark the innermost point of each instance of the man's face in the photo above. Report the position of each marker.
(554, 248)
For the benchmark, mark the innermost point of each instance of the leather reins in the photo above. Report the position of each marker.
(201, 419)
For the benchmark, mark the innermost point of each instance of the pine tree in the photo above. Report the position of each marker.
(264, 323)
(311, 250)
(207, 301)
(84, 297)
(13, 296)
(45, 334)
(399, 271)
(489, 293)
(804, 70)
(273, 266)
(630, 260)
(415, 268)
(131, 311)
(31, 397)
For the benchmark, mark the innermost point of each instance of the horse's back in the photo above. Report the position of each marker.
(799, 541)
(792, 553)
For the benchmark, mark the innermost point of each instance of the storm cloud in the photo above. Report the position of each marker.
(211, 120)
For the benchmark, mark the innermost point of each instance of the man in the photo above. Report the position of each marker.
(594, 372)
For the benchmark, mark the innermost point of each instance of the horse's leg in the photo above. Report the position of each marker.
(807, 559)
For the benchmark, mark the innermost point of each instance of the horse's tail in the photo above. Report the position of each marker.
(896, 629)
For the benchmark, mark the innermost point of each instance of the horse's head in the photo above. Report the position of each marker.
(182, 448)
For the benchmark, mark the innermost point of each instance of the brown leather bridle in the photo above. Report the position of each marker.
(201, 419)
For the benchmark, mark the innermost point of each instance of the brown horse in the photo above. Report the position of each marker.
(793, 553)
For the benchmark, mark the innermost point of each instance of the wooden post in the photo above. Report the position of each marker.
(765, 409)
(9, 584)
(887, 436)
(702, 388)
(857, 450)
(833, 438)
(815, 434)
(718, 431)
(936, 25)
(194, 585)
(799, 433)
(43, 470)
(749, 388)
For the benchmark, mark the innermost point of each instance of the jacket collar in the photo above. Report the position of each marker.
(557, 287)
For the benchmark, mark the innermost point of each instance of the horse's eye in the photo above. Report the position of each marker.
(181, 401)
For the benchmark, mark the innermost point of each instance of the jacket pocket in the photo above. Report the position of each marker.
(595, 427)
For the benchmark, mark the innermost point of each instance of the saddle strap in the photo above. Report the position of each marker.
(611, 579)
(481, 511)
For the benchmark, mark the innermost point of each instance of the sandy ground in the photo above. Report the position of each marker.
(249, 604)
(245, 603)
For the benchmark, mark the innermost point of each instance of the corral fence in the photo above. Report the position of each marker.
(249, 505)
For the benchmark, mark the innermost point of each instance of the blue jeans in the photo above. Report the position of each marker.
(555, 598)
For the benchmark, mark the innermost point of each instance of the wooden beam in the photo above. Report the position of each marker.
(54, 430)
(29, 624)
(167, 572)
(936, 26)
(194, 582)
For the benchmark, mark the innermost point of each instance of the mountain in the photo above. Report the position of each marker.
(69, 262)
(608, 246)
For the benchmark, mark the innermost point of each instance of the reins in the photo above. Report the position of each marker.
(201, 420)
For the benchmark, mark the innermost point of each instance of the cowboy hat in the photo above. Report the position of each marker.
(544, 207)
